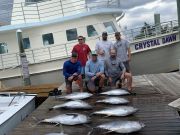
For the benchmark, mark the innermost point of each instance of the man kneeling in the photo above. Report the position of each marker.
(115, 71)
(72, 72)
(94, 72)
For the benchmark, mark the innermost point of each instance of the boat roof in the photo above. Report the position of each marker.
(117, 12)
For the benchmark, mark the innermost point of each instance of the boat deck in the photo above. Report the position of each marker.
(154, 92)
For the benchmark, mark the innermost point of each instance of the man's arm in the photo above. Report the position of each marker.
(106, 68)
(79, 68)
(89, 53)
(87, 70)
(65, 72)
(128, 50)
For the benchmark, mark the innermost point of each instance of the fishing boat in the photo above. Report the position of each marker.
(50, 29)
(14, 108)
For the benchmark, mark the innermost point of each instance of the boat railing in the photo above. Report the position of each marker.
(60, 51)
(26, 12)
(148, 31)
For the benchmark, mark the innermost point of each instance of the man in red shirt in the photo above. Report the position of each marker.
(83, 52)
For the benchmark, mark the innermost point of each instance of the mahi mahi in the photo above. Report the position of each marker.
(117, 111)
(116, 92)
(123, 127)
(76, 96)
(113, 100)
(78, 104)
(68, 119)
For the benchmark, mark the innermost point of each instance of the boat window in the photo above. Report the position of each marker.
(26, 43)
(48, 39)
(91, 31)
(71, 34)
(110, 27)
(3, 48)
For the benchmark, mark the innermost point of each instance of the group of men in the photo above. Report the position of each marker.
(108, 62)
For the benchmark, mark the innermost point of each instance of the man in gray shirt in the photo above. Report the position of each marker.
(115, 70)
(123, 50)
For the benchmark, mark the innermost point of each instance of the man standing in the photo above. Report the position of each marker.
(103, 47)
(116, 71)
(83, 52)
(123, 50)
(72, 72)
(94, 72)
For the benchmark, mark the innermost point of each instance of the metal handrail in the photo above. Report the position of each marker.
(36, 10)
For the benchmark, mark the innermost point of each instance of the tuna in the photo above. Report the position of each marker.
(113, 101)
(76, 96)
(78, 104)
(68, 119)
(123, 127)
(117, 111)
(56, 134)
(116, 92)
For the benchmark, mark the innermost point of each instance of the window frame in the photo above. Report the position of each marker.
(113, 26)
(29, 43)
(1, 43)
(74, 38)
(88, 34)
(43, 36)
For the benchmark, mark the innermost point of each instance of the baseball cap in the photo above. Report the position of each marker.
(104, 33)
(94, 53)
(74, 54)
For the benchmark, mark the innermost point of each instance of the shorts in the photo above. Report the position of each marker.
(127, 66)
(69, 83)
(91, 84)
(116, 78)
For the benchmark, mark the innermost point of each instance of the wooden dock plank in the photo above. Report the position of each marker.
(154, 93)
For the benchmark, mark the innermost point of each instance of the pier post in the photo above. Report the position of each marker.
(23, 60)
(178, 13)
(157, 23)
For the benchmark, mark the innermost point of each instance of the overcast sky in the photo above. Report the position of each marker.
(139, 11)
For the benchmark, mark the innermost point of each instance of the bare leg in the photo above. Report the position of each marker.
(128, 76)
(68, 89)
(101, 82)
(80, 83)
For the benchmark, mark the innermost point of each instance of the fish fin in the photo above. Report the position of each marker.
(50, 109)
(107, 116)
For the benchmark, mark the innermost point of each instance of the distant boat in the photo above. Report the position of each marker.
(50, 29)
(14, 108)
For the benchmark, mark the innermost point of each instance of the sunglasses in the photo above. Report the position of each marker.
(80, 39)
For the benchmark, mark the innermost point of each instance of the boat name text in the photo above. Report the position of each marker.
(155, 42)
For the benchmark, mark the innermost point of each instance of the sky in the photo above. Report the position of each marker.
(139, 11)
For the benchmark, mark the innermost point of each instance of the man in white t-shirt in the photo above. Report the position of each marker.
(103, 47)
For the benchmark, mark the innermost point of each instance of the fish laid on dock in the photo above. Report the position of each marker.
(113, 100)
(68, 119)
(75, 104)
(56, 134)
(123, 127)
(117, 111)
(76, 96)
(116, 92)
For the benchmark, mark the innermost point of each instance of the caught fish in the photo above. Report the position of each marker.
(77, 96)
(78, 104)
(113, 101)
(116, 92)
(117, 111)
(56, 134)
(68, 119)
(123, 127)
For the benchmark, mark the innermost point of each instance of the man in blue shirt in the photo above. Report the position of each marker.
(94, 71)
(72, 72)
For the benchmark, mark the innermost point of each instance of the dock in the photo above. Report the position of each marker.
(153, 94)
